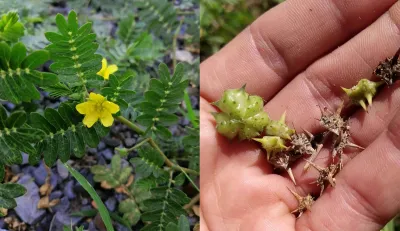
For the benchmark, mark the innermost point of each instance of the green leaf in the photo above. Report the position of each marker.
(162, 101)
(126, 29)
(164, 206)
(17, 74)
(115, 175)
(8, 192)
(86, 185)
(73, 51)
(10, 29)
(171, 227)
(35, 59)
(14, 138)
(16, 119)
(159, 15)
(65, 133)
(130, 211)
(18, 52)
(180, 179)
(183, 223)
(148, 163)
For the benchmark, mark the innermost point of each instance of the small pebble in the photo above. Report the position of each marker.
(129, 142)
(111, 203)
(68, 190)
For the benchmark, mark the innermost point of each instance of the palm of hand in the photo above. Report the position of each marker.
(239, 189)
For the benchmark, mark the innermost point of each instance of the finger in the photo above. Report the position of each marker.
(284, 41)
(366, 195)
(344, 67)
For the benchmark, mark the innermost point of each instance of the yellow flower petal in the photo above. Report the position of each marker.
(103, 67)
(111, 107)
(106, 118)
(82, 108)
(90, 119)
(96, 97)
(106, 74)
(112, 68)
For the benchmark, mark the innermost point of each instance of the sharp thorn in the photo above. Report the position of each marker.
(363, 105)
(289, 171)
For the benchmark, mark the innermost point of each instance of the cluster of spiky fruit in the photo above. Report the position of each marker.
(242, 116)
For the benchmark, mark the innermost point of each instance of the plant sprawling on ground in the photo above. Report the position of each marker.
(104, 79)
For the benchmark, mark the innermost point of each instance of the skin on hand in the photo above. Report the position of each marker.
(297, 56)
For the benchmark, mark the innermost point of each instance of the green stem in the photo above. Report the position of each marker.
(189, 179)
(138, 145)
(131, 125)
(167, 161)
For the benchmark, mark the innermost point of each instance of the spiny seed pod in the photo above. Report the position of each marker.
(333, 121)
(281, 160)
(340, 142)
(272, 144)
(304, 203)
(301, 144)
(365, 89)
(325, 175)
(242, 114)
(279, 128)
(389, 69)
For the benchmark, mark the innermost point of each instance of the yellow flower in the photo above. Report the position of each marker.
(107, 70)
(97, 107)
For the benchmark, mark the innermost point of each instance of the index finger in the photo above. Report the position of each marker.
(283, 42)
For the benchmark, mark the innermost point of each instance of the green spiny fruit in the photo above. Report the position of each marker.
(272, 144)
(279, 128)
(242, 114)
(364, 90)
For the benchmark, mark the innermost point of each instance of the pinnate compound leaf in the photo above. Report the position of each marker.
(73, 51)
(159, 15)
(119, 91)
(10, 29)
(164, 207)
(148, 163)
(18, 76)
(16, 136)
(162, 100)
(65, 134)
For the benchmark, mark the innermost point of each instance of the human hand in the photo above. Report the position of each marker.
(297, 56)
